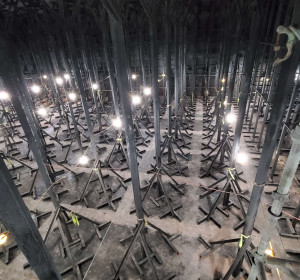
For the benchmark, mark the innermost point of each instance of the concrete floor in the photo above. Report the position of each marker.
(186, 264)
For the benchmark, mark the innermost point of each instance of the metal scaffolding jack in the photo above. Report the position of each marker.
(210, 115)
(216, 129)
(119, 149)
(30, 192)
(103, 137)
(156, 179)
(139, 138)
(145, 117)
(9, 141)
(222, 148)
(148, 254)
(67, 242)
(213, 246)
(187, 114)
(208, 107)
(173, 164)
(66, 246)
(231, 184)
(109, 200)
(9, 160)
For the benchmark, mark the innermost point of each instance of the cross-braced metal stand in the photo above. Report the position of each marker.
(162, 193)
(222, 148)
(179, 134)
(109, 200)
(172, 163)
(140, 139)
(213, 246)
(231, 184)
(148, 253)
(145, 116)
(119, 154)
(14, 167)
(67, 242)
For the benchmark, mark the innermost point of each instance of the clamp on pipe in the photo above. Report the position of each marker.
(293, 35)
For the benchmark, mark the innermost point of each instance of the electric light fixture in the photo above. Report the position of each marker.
(242, 158)
(72, 96)
(67, 77)
(59, 81)
(117, 123)
(35, 89)
(136, 99)
(83, 160)
(4, 95)
(230, 118)
(147, 91)
(95, 86)
(42, 112)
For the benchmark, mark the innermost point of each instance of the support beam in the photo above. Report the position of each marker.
(16, 217)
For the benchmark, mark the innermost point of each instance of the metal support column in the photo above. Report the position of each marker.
(284, 84)
(280, 197)
(16, 217)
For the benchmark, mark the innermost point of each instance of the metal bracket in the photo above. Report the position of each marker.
(293, 35)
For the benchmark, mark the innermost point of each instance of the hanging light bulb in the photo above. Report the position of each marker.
(4, 95)
(3, 238)
(117, 123)
(42, 112)
(267, 79)
(84, 160)
(222, 88)
(230, 118)
(242, 158)
(72, 96)
(133, 76)
(35, 89)
(136, 99)
(45, 77)
(67, 77)
(59, 80)
(95, 86)
(147, 91)
(223, 81)
(163, 74)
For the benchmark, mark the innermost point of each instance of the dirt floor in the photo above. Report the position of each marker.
(105, 251)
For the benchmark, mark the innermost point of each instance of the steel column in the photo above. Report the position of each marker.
(156, 106)
(16, 217)
(280, 196)
(122, 79)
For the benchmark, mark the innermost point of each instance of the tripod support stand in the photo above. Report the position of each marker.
(231, 184)
(168, 144)
(223, 147)
(243, 251)
(156, 179)
(108, 199)
(140, 233)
